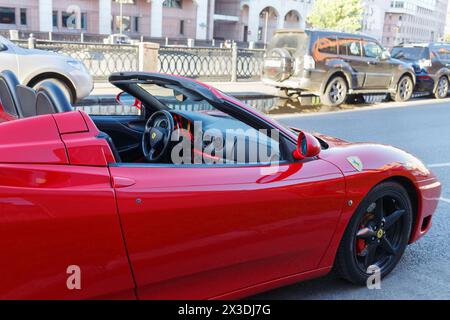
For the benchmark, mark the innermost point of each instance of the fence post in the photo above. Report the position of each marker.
(234, 58)
(148, 56)
(31, 41)
(14, 34)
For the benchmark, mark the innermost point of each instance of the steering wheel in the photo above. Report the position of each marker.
(156, 138)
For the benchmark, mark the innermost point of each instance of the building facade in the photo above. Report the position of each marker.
(415, 21)
(396, 21)
(240, 20)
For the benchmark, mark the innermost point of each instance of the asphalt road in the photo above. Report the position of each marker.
(422, 128)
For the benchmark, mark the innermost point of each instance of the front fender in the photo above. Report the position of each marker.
(381, 163)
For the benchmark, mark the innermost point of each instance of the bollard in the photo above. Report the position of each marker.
(50, 36)
(190, 43)
(167, 41)
(251, 45)
(14, 34)
(31, 41)
(82, 37)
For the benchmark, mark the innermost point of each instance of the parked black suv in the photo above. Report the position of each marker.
(335, 65)
(431, 62)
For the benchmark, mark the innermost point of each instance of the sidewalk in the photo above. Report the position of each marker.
(253, 88)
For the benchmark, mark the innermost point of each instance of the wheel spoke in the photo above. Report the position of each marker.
(366, 233)
(371, 249)
(379, 212)
(387, 246)
(391, 219)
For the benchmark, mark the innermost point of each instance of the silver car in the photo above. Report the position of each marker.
(34, 66)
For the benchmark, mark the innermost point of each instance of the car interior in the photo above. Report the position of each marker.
(172, 116)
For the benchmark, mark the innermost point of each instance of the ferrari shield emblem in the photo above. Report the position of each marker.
(356, 163)
(153, 136)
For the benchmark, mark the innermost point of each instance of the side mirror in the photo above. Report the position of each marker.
(385, 55)
(307, 146)
(127, 100)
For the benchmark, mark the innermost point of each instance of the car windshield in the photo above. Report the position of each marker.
(410, 53)
(6, 42)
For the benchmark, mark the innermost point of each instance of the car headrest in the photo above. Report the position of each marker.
(8, 95)
(51, 99)
(27, 100)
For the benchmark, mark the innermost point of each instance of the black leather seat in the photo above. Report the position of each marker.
(27, 100)
(104, 135)
(8, 94)
(51, 99)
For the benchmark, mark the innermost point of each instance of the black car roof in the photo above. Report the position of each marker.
(327, 33)
(422, 45)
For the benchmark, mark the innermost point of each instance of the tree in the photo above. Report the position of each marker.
(338, 15)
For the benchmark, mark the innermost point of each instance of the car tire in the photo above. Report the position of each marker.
(335, 92)
(353, 257)
(405, 89)
(442, 88)
(355, 99)
(61, 84)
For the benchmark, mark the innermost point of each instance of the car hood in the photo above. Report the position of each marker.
(31, 52)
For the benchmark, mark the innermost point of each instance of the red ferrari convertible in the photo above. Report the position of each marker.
(179, 202)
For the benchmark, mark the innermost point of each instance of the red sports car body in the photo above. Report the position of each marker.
(140, 230)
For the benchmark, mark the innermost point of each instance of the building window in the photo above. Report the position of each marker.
(23, 17)
(67, 21)
(7, 15)
(136, 24)
(182, 27)
(84, 21)
(55, 19)
(173, 4)
(126, 23)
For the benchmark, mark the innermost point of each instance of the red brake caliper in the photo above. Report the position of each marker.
(360, 244)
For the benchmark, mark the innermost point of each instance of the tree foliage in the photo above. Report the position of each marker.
(338, 15)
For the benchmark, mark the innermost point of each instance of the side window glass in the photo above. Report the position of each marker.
(372, 50)
(206, 135)
(350, 47)
(328, 46)
(355, 48)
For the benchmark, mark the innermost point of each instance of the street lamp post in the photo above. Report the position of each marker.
(121, 16)
(266, 26)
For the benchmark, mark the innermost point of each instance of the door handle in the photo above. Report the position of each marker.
(121, 182)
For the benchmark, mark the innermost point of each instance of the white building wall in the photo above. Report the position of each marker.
(104, 16)
(45, 15)
(373, 17)
(282, 7)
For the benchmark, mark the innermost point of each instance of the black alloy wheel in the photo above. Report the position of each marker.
(377, 235)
